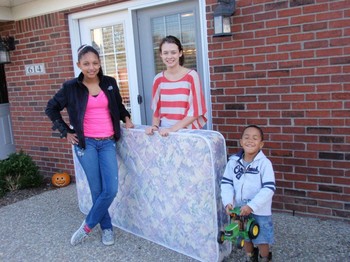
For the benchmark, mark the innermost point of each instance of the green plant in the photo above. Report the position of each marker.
(2, 187)
(19, 171)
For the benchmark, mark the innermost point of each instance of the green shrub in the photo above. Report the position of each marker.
(19, 171)
(2, 187)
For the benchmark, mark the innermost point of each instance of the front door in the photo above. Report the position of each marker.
(178, 19)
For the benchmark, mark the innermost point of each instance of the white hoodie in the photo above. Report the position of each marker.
(254, 185)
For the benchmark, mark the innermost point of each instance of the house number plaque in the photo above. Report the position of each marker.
(35, 69)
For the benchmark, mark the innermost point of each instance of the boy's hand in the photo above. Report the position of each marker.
(246, 210)
(228, 207)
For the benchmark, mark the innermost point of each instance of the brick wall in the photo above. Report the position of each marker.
(43, 39)
(286, 68)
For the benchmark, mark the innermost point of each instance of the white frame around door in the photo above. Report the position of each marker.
(130, 7)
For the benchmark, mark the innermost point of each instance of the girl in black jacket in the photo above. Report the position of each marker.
(95, 109)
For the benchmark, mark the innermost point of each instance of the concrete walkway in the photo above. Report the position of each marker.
(40, 228)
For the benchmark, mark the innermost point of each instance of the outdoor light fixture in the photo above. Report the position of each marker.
(222, 13)
(7, 44)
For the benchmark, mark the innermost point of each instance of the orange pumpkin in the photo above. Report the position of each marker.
(60, 179)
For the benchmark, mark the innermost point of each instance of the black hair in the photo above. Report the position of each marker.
(84, 49)
(173, 40)
(257, 127)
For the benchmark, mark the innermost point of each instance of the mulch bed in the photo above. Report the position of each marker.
(18, 195)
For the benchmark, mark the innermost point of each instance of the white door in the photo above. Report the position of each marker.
(107, 33)
(180, 19)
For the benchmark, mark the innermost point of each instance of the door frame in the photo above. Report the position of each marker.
(131, 7)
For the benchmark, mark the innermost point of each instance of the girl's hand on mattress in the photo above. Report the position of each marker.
(150, 130)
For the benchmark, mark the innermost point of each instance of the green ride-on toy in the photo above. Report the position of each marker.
(240, 228)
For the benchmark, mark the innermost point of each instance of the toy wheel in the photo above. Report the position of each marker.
(221, 238)
(239, 243)
(254, 230)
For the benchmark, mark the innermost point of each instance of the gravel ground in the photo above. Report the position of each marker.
(306, 239)
(39, 229)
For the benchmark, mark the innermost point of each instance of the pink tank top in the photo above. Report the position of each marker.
(97, 119)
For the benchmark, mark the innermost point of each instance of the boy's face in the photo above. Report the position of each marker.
(251, 141)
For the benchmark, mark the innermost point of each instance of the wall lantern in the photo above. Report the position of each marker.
(222, 13)
(7, 44)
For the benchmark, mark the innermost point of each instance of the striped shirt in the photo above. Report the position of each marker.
(172, 101)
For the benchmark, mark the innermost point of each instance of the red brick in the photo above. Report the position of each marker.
(296, 207)
(304, 36)
(305, 186)
(319, 210)
(319, 195)
(331, 172)
(294, 177)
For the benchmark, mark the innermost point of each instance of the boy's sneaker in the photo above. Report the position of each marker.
(108, 237)
(79, 235)
(266, 259)
(254, 256)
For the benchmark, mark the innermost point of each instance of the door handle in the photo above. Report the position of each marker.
(139, 99)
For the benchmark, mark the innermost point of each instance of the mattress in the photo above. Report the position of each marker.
(169, 190)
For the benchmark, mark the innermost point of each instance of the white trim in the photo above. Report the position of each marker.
(205, 61)
(130, 5)
(42, 7)
(5, 14)
(74, 33)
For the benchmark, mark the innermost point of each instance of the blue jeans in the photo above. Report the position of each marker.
(266, 234)
(99, 161)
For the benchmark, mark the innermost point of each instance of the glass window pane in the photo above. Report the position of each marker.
(173, 25)
(187, 33)
(108, 47)
(183, 27)
(110, 43)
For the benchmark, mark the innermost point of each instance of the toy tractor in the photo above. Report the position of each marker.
(240, 228)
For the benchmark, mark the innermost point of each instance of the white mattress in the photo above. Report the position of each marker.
(168, 190)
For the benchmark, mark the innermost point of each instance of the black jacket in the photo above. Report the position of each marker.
(74, 96)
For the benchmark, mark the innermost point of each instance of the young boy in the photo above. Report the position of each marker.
(249, 182)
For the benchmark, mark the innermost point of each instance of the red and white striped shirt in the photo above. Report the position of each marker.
(174, 100)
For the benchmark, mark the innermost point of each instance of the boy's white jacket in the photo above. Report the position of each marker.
(254, 185)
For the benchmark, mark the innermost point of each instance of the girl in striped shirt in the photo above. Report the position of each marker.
(177, 97)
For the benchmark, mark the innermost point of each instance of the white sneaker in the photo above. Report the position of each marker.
(79, 235)
(108, 237)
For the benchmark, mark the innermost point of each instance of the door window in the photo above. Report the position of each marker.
(180, 25)
(110, 43)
